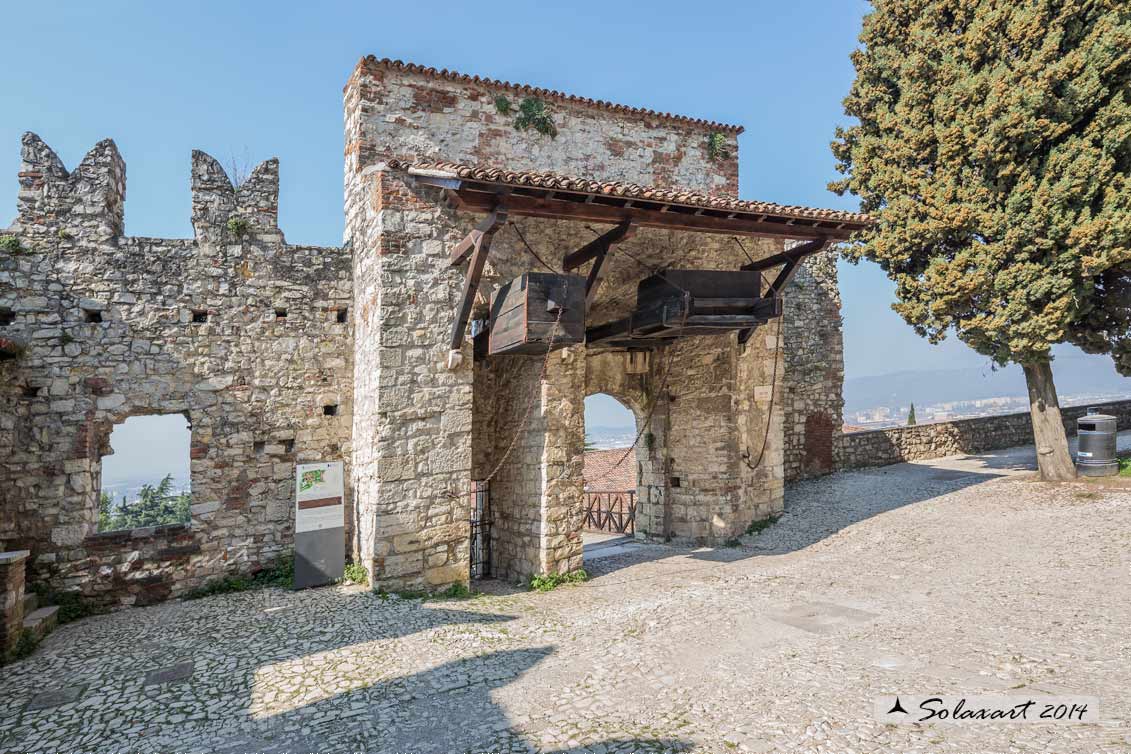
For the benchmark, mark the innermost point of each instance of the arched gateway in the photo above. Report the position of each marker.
(504, 273)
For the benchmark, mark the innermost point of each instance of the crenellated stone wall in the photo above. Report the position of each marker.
(234, 329)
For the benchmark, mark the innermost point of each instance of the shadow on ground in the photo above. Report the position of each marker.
(260, 672)
(819, 508)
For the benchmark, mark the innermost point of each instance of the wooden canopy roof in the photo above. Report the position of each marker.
(548, 195)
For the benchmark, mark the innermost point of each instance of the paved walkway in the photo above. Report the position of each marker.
(960, 576)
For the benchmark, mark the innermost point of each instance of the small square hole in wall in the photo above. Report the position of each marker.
(92, 315)
(675, 481)
(288, 446)
(280, 314)
(259, 446)
(31, 391)
(331, 410)
(199, 316)
(342, 315)
(7, 317)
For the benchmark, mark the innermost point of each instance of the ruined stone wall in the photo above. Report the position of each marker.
(881, 447)
(813, 377)
(235, 329)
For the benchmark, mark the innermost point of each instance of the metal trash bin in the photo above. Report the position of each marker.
(1095, 450)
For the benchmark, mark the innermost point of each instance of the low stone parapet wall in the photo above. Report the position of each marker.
(881, 447)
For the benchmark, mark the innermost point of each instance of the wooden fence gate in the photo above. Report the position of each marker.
(611, 511)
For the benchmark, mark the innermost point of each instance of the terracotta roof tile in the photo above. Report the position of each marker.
(534, 91)
(626, 190)
(602, 474)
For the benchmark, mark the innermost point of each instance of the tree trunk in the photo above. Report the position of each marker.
(1053, 457)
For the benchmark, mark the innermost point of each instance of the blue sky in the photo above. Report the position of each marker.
(265, 78)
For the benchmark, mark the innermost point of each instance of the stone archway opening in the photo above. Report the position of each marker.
(611, 471)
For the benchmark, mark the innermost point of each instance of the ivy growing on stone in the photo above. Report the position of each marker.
(531, 114)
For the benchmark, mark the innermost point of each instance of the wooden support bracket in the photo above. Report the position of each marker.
(598, 250)
(474, 239)
(790, 260)
(478, 243)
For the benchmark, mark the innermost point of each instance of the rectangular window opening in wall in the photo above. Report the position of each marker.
(259, 447)
(288, 446)
(199, 316)
(280, 314)
(675, 481)
(145, 481)
(330, 410)
(92, 315)
(342, 315)
(31, 391)
(7, 317)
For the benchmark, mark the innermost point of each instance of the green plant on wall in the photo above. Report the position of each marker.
(11, 245)
(238, 226)
(532, 113)
(717, 147)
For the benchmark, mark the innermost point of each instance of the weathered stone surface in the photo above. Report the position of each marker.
(882, 447)
(241, 376)
(279, 354)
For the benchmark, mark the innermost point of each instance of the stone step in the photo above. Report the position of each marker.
(42, 620)
(31, 602)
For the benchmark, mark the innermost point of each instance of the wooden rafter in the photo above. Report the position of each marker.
(528, 201)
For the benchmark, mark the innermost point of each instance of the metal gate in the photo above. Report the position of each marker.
(480, 493)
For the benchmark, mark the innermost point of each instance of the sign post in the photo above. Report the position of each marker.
(319, 524)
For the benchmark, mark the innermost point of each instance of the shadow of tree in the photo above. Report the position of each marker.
(442, 710)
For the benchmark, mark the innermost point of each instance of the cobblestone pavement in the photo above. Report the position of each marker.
(919, 578)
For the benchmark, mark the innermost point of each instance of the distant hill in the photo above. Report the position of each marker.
(1083, 376)
(602, 437)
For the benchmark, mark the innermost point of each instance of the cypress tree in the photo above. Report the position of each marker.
(993, 148)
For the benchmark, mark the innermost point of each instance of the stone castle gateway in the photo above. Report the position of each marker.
(278, 354)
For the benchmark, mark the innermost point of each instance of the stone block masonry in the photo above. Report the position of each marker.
(433, 431)
(235, 329)
(277, 354)
(881, 447)
(12, 566)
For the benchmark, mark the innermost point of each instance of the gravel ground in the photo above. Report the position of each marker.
(962, 576)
